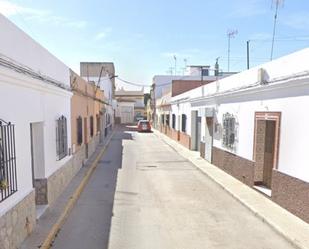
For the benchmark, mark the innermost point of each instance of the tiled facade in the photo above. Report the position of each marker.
(238, 167)
(185, 140)
(291, 193)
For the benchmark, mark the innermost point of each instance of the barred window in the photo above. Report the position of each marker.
(229, 131)
(61, 138)
(79, 123)
(8, 175)
(167, 120)
(183, 122)
(173, 121)
(98, 123)
(91, 126)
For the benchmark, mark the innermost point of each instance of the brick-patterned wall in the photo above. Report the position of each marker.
(185, 140)
(202, 149)
(174, 134)
(291, 193)
(240, 168)
(169, 131)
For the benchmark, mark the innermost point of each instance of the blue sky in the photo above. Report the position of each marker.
(141, 37)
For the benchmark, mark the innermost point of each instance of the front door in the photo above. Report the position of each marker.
(198, 133)
(266, 147)
(86, 136)
(208, 139)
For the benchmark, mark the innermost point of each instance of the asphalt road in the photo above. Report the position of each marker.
(144, 195)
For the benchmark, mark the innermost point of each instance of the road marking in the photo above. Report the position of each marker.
(73, 199)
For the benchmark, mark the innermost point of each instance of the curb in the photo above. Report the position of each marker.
(294, 242)
(48, 241)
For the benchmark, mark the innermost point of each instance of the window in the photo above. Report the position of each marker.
(173, 121)
(91, 126)
(61, 137)
(205, 72)
(167, 120)
(79, 123)
(98, 123)
(229, 131)
(162, 119)
(8, 176)
(183, 122)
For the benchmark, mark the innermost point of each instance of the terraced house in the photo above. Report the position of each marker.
(35, 131)
(88, 107)
(51, 121)
(253, 125)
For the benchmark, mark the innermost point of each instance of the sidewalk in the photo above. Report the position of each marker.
(283, 222)
(54, 212)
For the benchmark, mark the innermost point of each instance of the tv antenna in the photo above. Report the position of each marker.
(277, 3)
(230, 34)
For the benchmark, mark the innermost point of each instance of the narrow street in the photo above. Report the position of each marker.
(144, 195)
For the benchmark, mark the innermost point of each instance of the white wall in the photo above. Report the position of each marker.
(291, 99)
(18, 46)
(25, 100)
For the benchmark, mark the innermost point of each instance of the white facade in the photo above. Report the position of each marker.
(282, 86)
(25, 100)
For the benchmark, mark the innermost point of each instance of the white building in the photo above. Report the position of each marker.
(130, 105)
(35, 99)
(254, 125)
(103, 75)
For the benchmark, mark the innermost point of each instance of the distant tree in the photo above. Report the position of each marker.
(146, 97)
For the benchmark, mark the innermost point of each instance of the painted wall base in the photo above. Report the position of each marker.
(18, 223)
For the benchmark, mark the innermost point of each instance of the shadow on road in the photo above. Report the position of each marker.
(89, 224)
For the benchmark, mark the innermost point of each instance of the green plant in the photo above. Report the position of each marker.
(3, 184)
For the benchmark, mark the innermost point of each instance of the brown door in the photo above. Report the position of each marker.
(86, 136)
(269, 152)
(266, 147)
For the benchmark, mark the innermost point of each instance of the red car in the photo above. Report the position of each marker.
(143, 125)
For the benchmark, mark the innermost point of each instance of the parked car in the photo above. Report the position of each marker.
(143, 125)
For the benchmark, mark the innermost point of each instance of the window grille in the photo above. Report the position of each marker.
(183, 122)
(79, 123)
(98, 123)
(173, 121)
(229, 131)
(62, 137)
(167, 120)
(8, 175)
(91, 126)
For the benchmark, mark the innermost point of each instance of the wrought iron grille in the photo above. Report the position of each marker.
(173, 121)
(229, 131)
(79, 123)
(167, 120)
(183, 122)
(8, 175)
(62, 138)
(91, 126)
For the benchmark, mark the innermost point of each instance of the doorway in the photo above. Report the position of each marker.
(208, 139)
(198, 133)
(86, 137)
(38, 162)
(266, 147)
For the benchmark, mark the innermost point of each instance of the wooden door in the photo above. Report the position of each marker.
(269, 152)
(266, 146)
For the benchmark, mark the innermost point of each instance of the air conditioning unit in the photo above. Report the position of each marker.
(262, 76)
